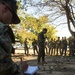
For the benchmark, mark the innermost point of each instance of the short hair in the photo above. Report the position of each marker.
(44, 29)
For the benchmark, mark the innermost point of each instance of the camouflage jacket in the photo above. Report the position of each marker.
(41, 39)
(5, 50)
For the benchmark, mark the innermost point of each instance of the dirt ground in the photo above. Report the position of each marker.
(56, 65)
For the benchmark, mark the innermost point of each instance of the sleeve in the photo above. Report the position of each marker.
(41, 38)
(5, 46)
(3, 54)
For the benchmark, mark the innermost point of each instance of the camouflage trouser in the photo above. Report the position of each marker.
(41, 53)
(14, 70)
(6, 72)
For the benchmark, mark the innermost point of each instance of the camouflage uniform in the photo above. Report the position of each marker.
(64, 47)
(26, 47)
(58, 47)
(41, 45)
(72, 47)
(7, 66)
(34, 44)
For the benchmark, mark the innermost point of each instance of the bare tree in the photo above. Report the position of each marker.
(70, 14)
(57, 8)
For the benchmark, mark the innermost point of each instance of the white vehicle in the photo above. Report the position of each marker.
(18, 46)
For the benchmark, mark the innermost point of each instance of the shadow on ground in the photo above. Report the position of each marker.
(56, 65)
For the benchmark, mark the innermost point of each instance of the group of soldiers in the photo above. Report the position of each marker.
(52, 47)
(58, 47)
(34, 47)
(61, 47)
(55, 47)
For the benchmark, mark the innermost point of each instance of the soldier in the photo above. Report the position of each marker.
(72, 46)
(8, 15)
(54, 46)
(51, 50)
(64, 46)
(34, 44)
(26, 46)
(58, 46)
(41, 45)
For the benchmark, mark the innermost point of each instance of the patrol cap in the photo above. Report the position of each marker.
(13, 8)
